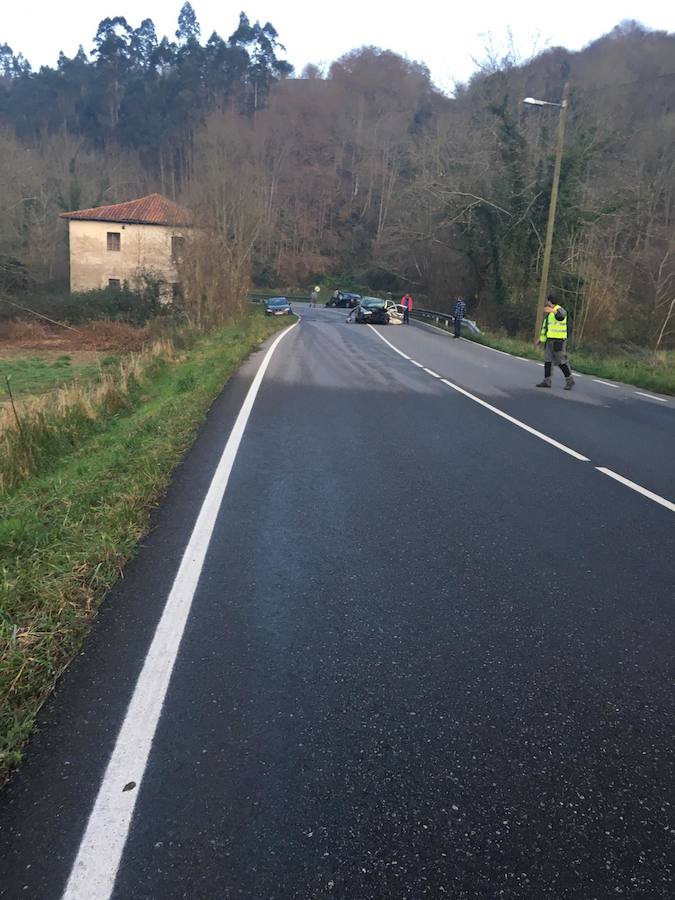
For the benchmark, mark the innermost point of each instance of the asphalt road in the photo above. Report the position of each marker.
(429, 653)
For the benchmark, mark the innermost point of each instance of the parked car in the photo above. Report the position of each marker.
(343, 300)
(277, 306)
(372, 310)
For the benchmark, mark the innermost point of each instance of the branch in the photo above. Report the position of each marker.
(46, 318)
(473, 197)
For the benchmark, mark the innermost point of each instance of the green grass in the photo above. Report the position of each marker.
(645, 370)
(66, 532)
(38, 374)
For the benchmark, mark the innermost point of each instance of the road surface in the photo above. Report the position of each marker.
(424, 648)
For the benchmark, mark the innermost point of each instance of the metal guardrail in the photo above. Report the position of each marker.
(292, 298)
(444, 319)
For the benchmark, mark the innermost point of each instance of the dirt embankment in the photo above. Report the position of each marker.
(111, 336)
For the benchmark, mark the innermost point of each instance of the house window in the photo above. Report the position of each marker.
(177, 247)
(114, 283)
(113, 240)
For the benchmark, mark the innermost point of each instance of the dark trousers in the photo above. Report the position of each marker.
(564, 368)
(458, 326)
(406, 316)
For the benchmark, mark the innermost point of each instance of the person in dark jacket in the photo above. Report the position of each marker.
(458, 315)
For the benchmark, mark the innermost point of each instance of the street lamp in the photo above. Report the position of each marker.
(562, 106)
(532, 102)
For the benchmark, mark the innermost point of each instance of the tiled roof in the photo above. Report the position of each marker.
(151, 210)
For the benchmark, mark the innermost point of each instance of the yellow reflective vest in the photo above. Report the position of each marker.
(553, 328)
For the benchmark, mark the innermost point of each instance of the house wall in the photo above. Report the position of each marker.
(144, 249)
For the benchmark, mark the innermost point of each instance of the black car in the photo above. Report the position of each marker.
(277, 306)
(372, 310)
(343, 300)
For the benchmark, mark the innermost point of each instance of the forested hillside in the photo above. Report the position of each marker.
(364, 171)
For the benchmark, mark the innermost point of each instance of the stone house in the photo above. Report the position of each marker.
(118, 245)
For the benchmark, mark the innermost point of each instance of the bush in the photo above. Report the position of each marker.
(73, 309)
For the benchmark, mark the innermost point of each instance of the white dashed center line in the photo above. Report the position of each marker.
(637, 487)
(544, 437)
(651, 397)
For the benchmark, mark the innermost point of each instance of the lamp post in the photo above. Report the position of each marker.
(563, 107)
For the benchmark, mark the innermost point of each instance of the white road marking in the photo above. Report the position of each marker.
(517, 422)
(544, 437)
(95, 868)
(502, 352)
(437, 328)
(400, 352)
(636, 487)
(651, 397)
(498, 412)
(524, 359)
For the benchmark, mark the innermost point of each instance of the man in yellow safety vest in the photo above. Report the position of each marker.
(554, 338)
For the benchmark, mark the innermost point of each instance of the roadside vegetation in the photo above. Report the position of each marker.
(35, 374)
(78, 479)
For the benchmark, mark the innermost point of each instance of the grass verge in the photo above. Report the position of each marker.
(66, 532)
(34, 374)
(654, 372)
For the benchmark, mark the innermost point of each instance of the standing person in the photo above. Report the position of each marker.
(407, 304)
(314, 297)
(458, 315)
(554, 338)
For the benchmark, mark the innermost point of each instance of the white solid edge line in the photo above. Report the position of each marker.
(498, 412)
(95, 868)
(608, 383)
(651, 397)
(438, 328)
(636, 487)
(413, 361)
(430, 372)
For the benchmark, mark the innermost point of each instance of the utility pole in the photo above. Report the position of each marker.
(546, 263)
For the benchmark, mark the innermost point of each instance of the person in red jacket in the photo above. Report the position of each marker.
(407, 304)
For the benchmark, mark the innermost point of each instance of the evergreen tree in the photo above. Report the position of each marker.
(188, 26)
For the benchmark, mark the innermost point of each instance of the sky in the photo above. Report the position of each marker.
(447, 37)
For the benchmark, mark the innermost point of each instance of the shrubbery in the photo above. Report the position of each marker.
(61, 305)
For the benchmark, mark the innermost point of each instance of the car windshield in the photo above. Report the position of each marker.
(277, 301)
(372, 303)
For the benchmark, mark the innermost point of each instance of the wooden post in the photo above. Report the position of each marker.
(543, 286)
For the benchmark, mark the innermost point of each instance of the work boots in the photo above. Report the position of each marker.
(569, 384)
(545, 383)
